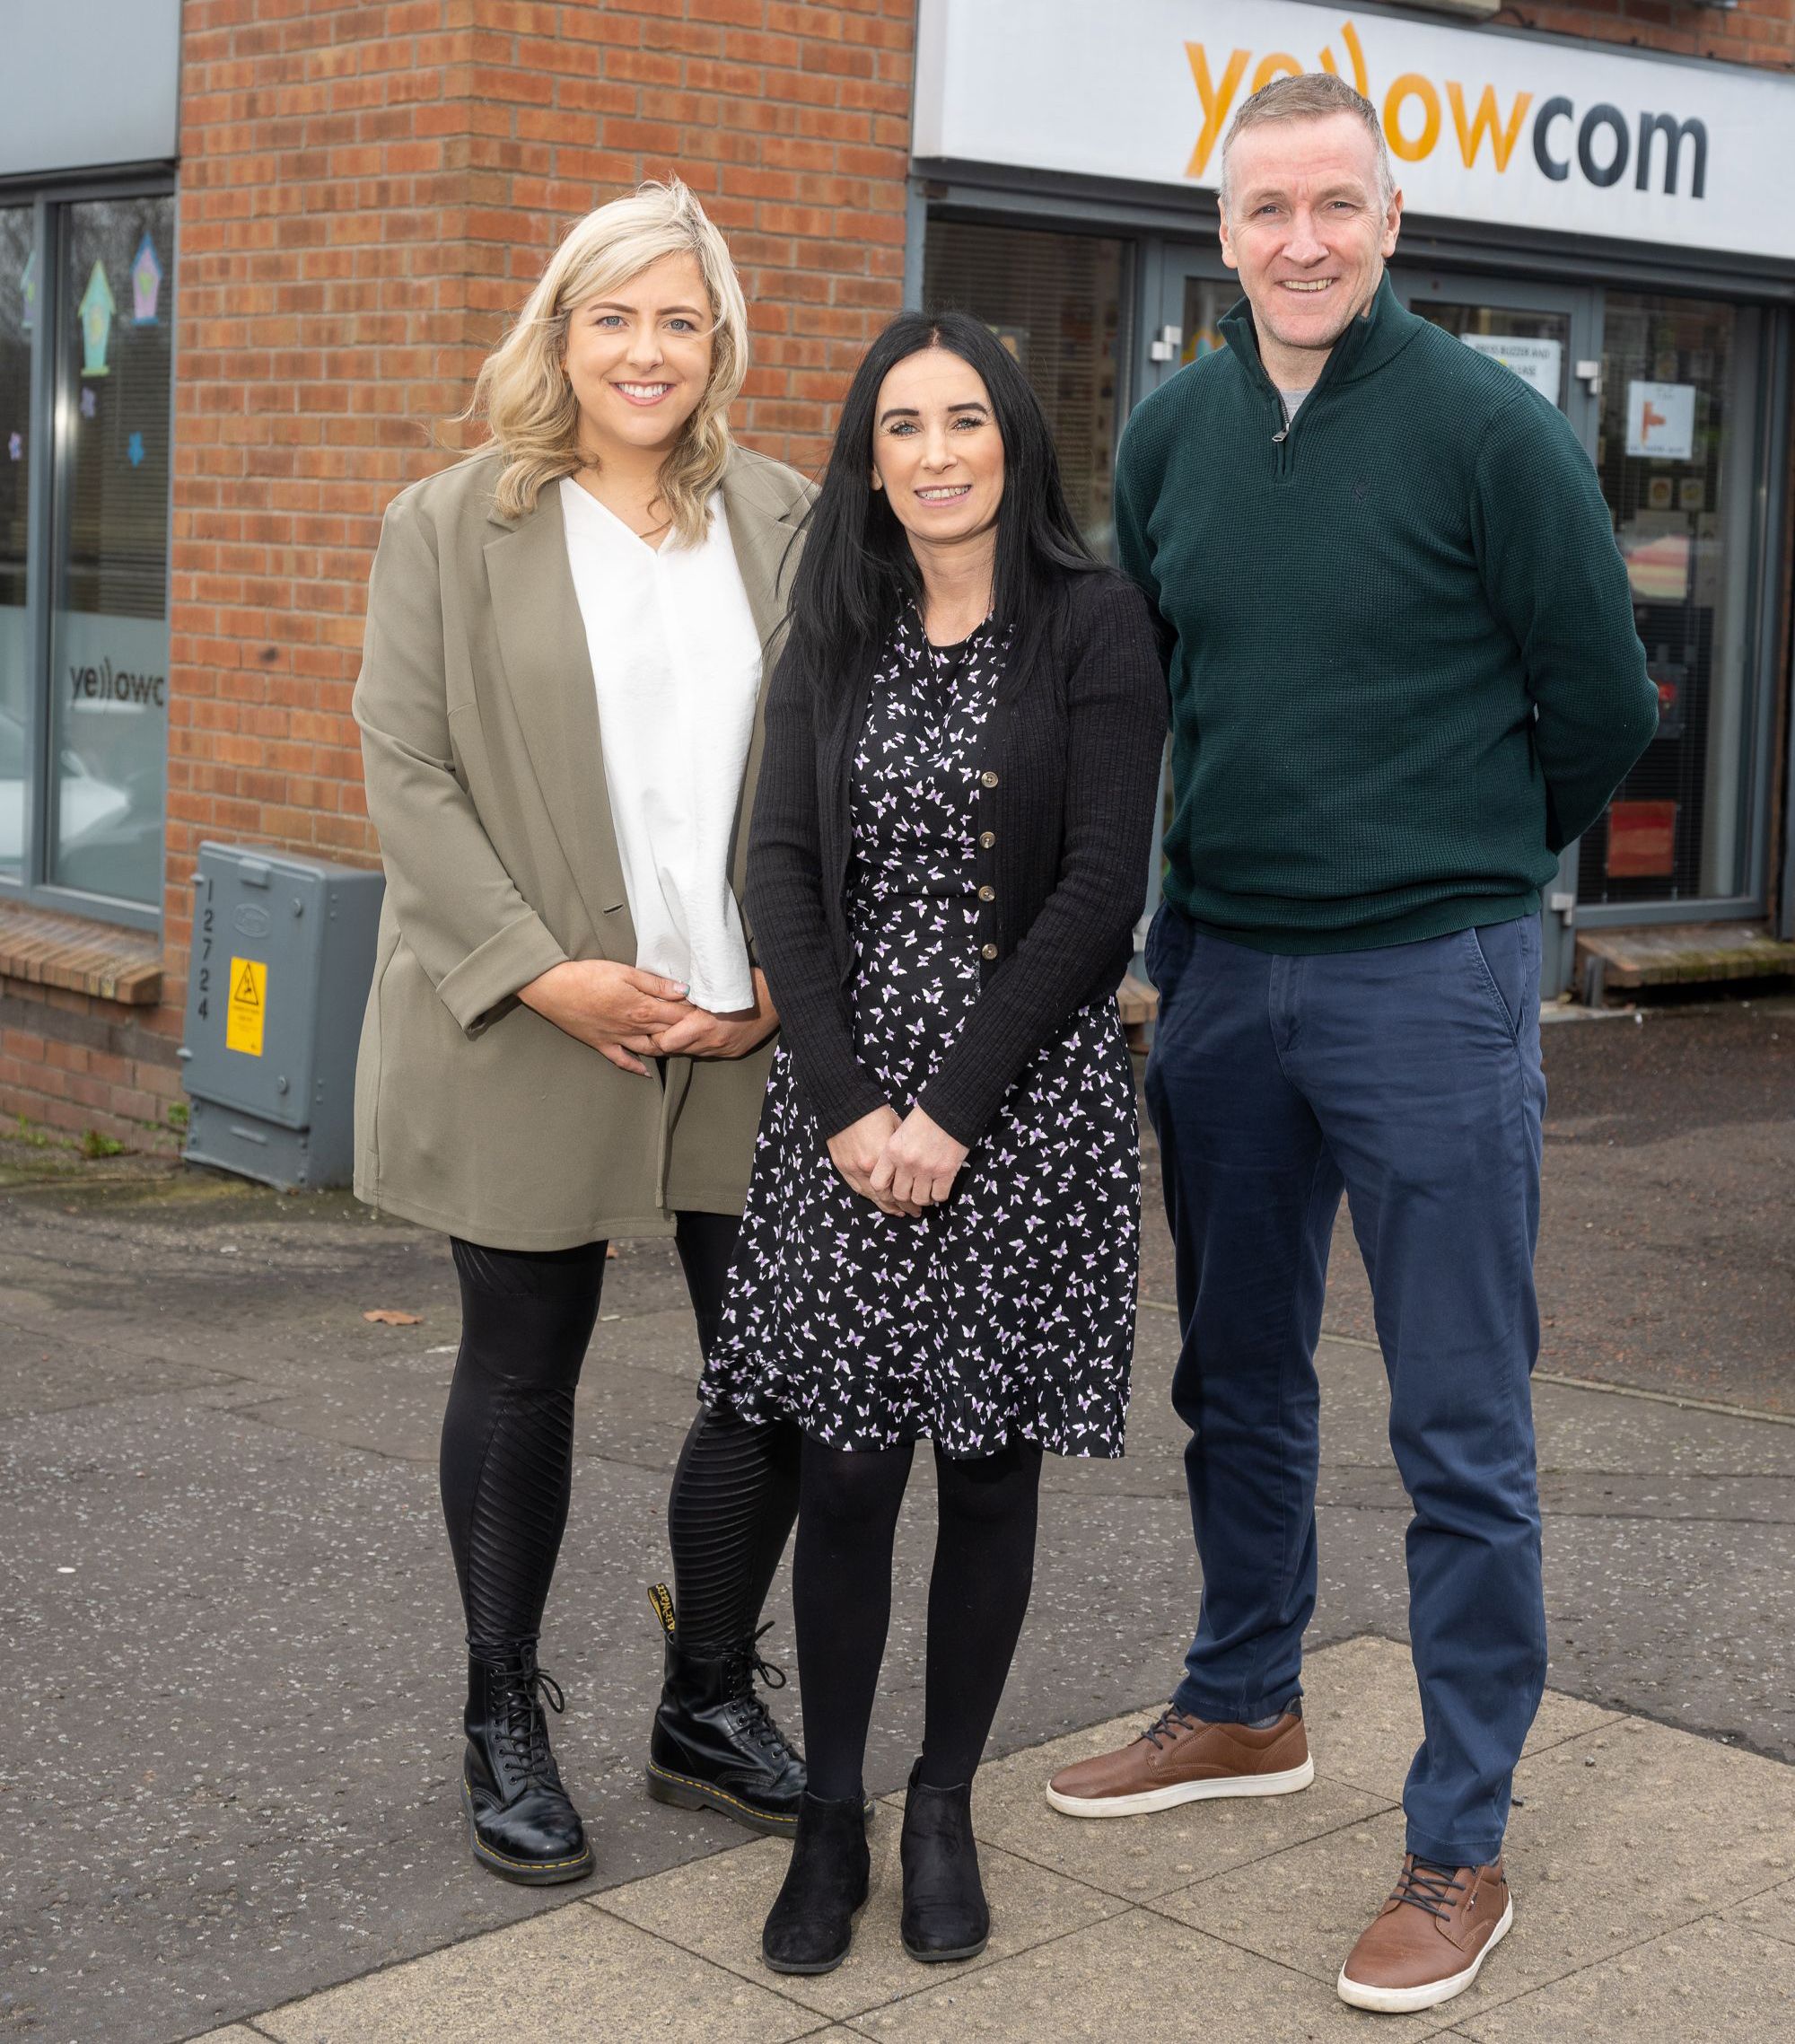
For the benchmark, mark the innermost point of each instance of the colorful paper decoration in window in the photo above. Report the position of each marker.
(96, 309)
(146, 283)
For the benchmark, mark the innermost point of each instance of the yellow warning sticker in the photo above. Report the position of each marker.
(247, 1005)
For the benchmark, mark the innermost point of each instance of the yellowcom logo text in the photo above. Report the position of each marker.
(1601, 144)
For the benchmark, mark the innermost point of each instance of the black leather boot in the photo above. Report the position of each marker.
(945, 1913)
(811, 1926)
(522, 1824)
(715, 1744)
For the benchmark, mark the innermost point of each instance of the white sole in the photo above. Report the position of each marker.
(1404, 2001)
(1152, 1799)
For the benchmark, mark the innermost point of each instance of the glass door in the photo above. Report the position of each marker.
(1667, 395)
(1681, 453)
(1550, 334)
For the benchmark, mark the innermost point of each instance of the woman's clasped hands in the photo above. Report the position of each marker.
(902, 1166)
(626, 1014)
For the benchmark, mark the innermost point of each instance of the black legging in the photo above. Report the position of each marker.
(507, 1461)
(978, 1592)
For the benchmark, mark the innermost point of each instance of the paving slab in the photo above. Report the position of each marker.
(1712, 1983)
(1138, 1858)
(1632, 1829)
(1773, 1914)
(561, 1978)
(1137, 1977)
(1363, 1713)
(1645, 1860)
(1620, 1834)
(717, 1908)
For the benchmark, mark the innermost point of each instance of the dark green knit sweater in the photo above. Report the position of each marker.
(1402, 663)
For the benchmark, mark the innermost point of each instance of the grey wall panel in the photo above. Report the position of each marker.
(88, 82)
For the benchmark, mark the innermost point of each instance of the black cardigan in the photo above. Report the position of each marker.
(1065, 818)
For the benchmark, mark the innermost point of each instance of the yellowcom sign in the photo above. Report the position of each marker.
(1420, 113)
(1485, 124)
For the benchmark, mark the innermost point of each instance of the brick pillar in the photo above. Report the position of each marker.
(367, 193)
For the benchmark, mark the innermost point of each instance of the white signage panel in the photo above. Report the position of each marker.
(1482, 126)
(88, 82)
(1537, 361)
(1660, 420)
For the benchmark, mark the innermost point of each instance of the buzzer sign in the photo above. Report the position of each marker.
(1482, 124)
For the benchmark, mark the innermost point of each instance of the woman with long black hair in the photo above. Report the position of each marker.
(942, 1234)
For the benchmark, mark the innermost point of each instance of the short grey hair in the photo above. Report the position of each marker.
(1312, 96)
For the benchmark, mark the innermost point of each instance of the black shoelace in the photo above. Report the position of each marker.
(1168, 1724)
(522, 1733)
(752, 1716)
(1427, 1886)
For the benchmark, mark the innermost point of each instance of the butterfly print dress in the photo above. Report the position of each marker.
(1006, 1313)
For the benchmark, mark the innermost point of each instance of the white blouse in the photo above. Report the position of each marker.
(677, 660)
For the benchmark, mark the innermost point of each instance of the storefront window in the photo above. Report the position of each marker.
(108, 622)
(18, 290)
(1675, 454)
(1058, 302)
(1205, 300)
(1536, 345)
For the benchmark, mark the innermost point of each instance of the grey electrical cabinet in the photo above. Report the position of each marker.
(283, 955)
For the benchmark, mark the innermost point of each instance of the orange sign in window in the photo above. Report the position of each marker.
(1641, 839)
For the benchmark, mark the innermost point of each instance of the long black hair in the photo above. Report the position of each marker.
(857, 566)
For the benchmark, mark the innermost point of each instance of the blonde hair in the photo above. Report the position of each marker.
(1311, 96)
(523, 391)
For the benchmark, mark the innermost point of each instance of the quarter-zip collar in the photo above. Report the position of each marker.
(1376, 336)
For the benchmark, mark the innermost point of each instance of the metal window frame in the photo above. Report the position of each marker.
(46, 492)
(1766, 630)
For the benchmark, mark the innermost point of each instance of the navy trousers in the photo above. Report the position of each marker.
(1408, 1076)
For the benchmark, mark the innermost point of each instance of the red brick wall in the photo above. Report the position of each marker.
(1756, 31)
(366, 193)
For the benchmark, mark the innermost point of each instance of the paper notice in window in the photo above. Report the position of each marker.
(1535, 360)
(1661, 420)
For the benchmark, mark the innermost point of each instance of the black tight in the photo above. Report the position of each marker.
(978, 1592)
(507, 1457)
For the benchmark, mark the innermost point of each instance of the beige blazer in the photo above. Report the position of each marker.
(486, 780)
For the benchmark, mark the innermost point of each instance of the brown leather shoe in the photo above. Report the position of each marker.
(1184, 1759)
(1429, 1940)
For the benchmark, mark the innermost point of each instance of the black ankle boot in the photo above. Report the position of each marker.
(811, 1923)
(715, 1744)
(522, 1824)
(945, 1913)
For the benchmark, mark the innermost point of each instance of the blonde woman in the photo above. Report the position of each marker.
(567, 1038)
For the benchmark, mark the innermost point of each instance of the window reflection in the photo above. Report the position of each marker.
(1674, 453)
(1055, 302)
(109, 660)
(18, 295)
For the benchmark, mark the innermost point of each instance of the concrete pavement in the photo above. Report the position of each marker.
(227, 1758)
(1654, 1875)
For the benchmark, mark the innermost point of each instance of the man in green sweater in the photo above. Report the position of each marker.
(1404, 676)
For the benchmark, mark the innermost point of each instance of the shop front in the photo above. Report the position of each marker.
(1607, 223)
(87, 303)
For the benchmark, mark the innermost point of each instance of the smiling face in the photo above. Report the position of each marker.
(936, 451)
(639, 359)
(1307, 229)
